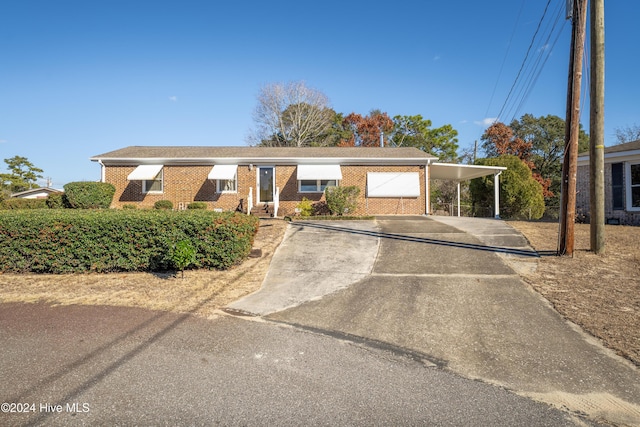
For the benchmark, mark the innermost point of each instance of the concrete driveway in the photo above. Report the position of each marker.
(445, 290)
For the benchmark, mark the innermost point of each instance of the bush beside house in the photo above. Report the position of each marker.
(89, 195)
(521, 196)
(342, 200)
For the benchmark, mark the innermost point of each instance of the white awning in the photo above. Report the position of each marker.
(145, 173)
(328, 172)
(223, 172)
(393, 184)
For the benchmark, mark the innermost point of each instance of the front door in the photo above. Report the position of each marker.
(265, 183)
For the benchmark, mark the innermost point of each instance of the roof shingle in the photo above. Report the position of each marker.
(210, 153)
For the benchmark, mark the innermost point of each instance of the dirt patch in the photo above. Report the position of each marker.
(601, 293)
(201, 292)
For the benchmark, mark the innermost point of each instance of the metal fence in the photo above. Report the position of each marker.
(551, 213)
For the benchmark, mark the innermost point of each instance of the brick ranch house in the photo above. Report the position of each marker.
(392, 180)
(621, 184)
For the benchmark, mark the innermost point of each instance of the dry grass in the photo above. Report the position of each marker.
(601, 293)
(201, 292)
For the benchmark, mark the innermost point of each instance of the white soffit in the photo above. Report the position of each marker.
(393, 184)
(227, 172)
(461, 172)
(145, 173)
(328, 172)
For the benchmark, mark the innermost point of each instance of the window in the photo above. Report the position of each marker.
(315, 185)
(226, 177)
(617, 185)
(633, 197)
(153, 185)
(227, 185)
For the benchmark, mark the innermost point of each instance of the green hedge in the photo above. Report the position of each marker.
(89, 195)
(56, 201)
(163, 205)
(73, 241)
(197, 205)
(18, 203)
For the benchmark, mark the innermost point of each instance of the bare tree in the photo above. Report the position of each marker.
(291, 115)
(627, 134)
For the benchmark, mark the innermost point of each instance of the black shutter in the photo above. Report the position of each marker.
(617, 185)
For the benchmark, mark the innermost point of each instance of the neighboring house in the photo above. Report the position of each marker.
(36, 193)
(621, 184)
(391, 180)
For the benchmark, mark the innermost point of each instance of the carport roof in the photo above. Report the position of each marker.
(455, 172)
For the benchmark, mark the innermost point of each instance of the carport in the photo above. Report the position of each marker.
(459, 173)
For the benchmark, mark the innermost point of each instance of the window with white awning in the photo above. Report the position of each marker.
(145, 172)
(223, 172)
(393, 184)
(315, 178)
(324, 172)
(151, 177)
(225, 177)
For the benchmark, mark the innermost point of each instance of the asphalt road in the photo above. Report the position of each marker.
(78, 365)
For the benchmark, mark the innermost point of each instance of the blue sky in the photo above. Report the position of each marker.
(80, 78)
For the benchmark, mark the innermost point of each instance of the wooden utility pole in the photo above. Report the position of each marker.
(572, 129)
(596, 128)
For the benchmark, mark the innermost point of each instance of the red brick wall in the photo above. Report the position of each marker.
(185, 184)
(182, 185)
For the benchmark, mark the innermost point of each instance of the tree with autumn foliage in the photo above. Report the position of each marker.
(547, 135)
(365, 130)
(499, 140)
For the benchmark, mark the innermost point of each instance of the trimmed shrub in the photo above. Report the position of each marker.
(197, 205)
(129, 206)
(24, 204)
(56, 201)
(183, 254)
(89, 195)
(163, 205)
(75, 241)
(306, 207)
(342, 200)
(320, 209)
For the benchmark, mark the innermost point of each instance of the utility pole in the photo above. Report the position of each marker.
(570, 166)
(596, 128)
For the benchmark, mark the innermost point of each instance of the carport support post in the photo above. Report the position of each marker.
(427, 196)
(496, 194)
(458, 188)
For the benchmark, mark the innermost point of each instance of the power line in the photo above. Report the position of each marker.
(545, 52)
(531, 69)
(506, 54)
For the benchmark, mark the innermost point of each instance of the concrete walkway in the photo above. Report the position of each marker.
(445, 290)
(314, 260)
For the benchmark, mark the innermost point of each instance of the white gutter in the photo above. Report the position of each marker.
(266, 160)
(103, 175)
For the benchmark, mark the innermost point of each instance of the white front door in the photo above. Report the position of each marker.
(266, 184)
